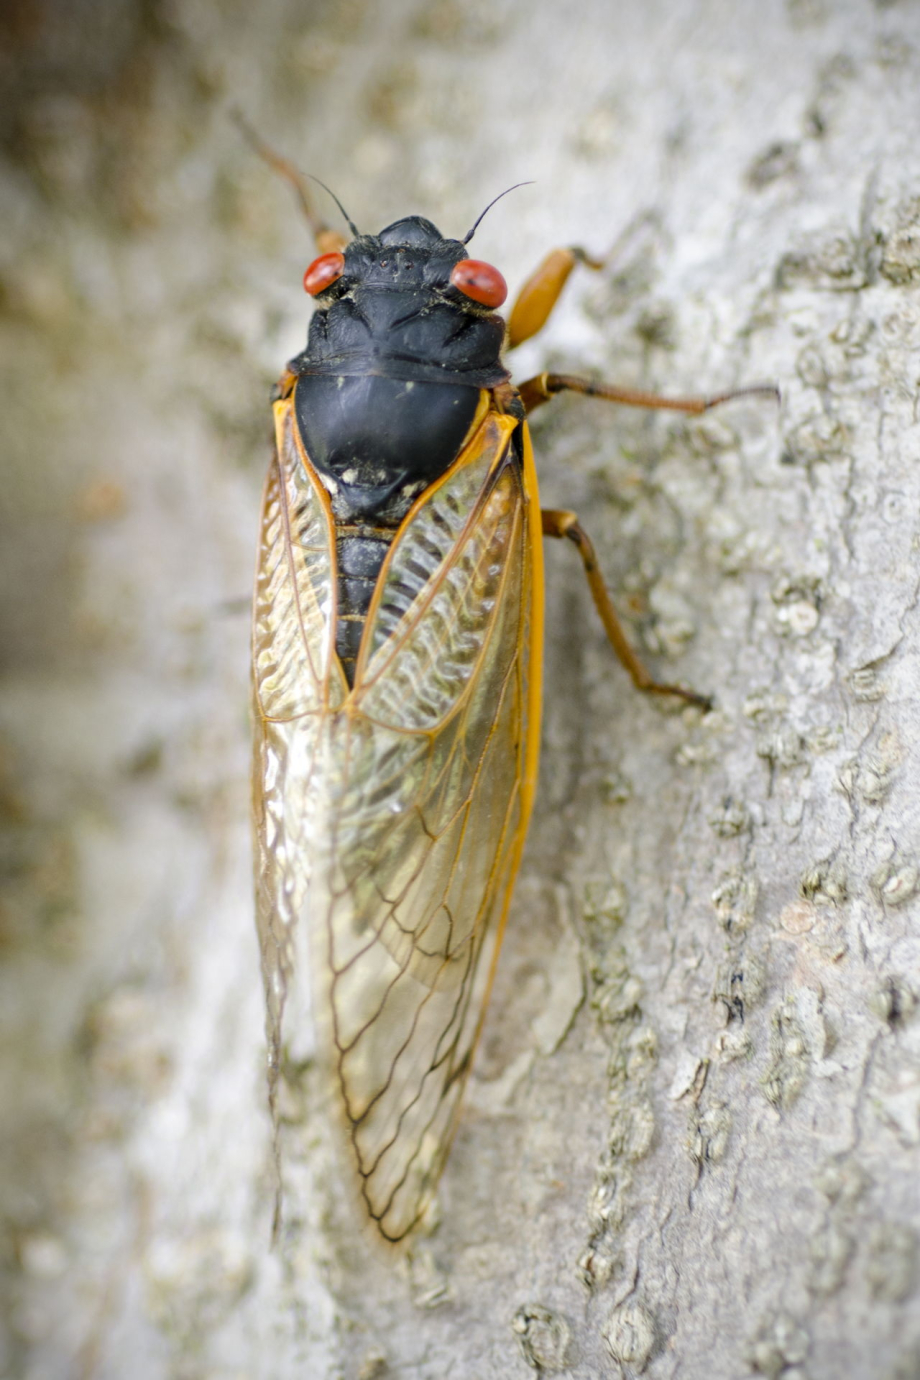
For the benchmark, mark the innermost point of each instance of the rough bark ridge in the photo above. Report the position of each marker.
(691, 1144)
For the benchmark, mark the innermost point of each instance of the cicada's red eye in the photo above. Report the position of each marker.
(480, 282)
(322, 272)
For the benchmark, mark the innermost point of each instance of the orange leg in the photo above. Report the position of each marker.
(542, 291)
(542, 387)
(558, 523)
(325, 238)
(285, 386)
(532, 308)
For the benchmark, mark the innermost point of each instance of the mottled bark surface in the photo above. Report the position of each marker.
(692, 1141)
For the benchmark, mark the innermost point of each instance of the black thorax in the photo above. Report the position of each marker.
(386, 391)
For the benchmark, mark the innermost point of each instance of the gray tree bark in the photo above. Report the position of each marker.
(690, 1144)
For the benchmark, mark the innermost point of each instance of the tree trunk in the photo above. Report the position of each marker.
(690, 1143)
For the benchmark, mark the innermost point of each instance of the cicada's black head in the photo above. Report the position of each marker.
(407, 304)
(404, 338)
(411, 255)
(415, 232)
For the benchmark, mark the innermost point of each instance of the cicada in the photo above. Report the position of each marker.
(397, 660)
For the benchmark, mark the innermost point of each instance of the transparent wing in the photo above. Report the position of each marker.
(295, 680)
(293, 644)
(428, 822)
(395, 824)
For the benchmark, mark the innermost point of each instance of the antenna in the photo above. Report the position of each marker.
(470, 233)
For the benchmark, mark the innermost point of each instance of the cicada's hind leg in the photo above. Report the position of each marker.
(558, 523)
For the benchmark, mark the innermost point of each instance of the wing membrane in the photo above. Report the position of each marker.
(293, 612)
(440, 588)
(391, 826)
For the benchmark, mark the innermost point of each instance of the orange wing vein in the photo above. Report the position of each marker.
(390, 818)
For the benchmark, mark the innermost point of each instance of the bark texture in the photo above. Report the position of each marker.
(692, 1141)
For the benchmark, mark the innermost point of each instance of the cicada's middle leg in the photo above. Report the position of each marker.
(531, 311)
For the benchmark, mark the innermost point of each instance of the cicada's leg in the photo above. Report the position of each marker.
(558, 523)
(542, 387)
(542, 291)
(326, 239)
(285, 385)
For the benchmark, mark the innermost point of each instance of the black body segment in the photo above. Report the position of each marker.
(378, 442)
(385, 394)
(360, 553)
(403, 334)
(393, 311)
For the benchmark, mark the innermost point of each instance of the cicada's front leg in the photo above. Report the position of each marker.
(542, 290)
